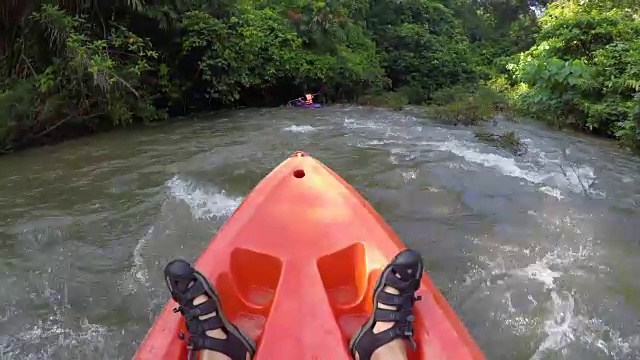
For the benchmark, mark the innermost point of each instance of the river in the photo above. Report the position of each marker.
(538, 254)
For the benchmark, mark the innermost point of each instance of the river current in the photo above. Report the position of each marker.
(538, 254)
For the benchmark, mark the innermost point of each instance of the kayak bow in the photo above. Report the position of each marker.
(294, 267)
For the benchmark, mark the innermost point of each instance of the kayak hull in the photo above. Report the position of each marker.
(309, 106)
(294, 267)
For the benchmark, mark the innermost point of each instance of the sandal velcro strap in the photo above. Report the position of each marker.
(395, 300)
(206, 307)
(197, 327)
(395, 282)
(193, 292)
(399, 284)
(390, 315)
(386, 315)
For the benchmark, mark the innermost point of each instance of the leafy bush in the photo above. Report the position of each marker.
(84, 66)
(467, 105)
(83, 82)
(584, 70)
(394, 100)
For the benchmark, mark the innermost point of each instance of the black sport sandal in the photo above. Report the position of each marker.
(403, 273)
(179, 275)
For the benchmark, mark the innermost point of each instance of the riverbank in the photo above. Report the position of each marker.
(474, 113)
(74, 70)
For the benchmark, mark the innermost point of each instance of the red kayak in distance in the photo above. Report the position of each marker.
(294, 267)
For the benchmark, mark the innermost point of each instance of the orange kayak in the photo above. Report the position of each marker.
(294, 268)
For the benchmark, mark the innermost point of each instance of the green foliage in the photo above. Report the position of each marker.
(394, 100)
(467, 105)
(231, 49)
(584, 70)
(81, 66)
(83, 81)
(423, 45)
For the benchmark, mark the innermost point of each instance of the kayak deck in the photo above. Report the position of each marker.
(294, 267)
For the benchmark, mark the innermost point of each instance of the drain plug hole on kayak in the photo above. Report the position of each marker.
(299, 174)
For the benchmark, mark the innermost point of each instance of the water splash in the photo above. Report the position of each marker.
(351, 123)
(552, 315)
(85, 334)
(204, 203)
(553, 175)
(300, 128)
(564, 327)
(62, 334)
(540, 272)
(409, 175)
(138, 273)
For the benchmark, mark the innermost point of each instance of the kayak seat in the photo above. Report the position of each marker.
(248, 289)
(334, 298)
(346, 280)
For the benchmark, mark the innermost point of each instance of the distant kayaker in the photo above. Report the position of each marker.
(390, 323)
(308, 99)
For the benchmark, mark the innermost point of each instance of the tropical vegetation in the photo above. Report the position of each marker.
(72, 67)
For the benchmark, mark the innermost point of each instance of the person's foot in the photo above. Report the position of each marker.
(391, 322)
(208, 328)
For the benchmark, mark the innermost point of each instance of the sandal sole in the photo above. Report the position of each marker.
(227, 324)
(378, 287)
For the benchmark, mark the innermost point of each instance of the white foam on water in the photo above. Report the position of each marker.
(564, 326)
(554, 177)
(381, 142)
(398, 154)
(364, 144)
(519, 324)
(579, 179)
(395, 133)
(626, 179)
(300, 128)
(91, 338)
(409, 175)
(204, 203)
(393, 159)
(507, 166)
(139, 270)
(540, 272)
(138, 274)
(355, 124)
(558, 325)
(556, 193)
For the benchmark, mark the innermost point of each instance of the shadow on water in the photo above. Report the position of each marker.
(538, 265)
